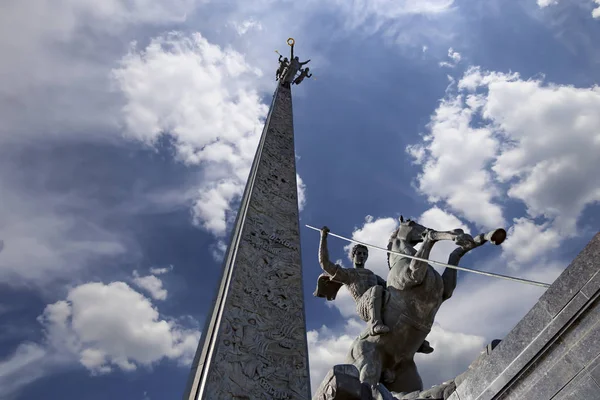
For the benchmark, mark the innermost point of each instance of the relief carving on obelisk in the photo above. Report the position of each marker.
(261, 351)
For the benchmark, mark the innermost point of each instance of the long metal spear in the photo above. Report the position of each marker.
(510, 278)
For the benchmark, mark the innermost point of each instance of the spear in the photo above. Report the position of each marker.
(491, 274)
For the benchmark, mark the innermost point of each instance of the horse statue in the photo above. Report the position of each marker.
(413, 295)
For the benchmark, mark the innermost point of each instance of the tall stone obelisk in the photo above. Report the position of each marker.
(254, 345)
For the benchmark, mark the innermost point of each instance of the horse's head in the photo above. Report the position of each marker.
(409, 231)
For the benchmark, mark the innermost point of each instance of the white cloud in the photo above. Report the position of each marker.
(161, 271)
(203, 96)
(555, 176)
(546, 3)
(520, 149)
(243, 27)
(453, 353)
(103, 328)
(527, 242)
(327, 348)
(454, 156)
(150, 284)
(301, 187)
(51, 61)
(438, 219)
(454, 57)
(213, 204)
(218, 250)
(490, 307)
(113, 326)
(595, 11)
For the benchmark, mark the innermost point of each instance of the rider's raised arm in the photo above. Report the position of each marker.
(336, 272)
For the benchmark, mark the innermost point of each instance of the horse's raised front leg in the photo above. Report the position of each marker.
(449, 276)
(418, 269)
(461, 238)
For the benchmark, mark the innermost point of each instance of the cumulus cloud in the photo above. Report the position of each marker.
(203, 97)
(554, 176)
(527, 241)
(104, 328)
(454, 156)
(113, 326)
(61, 57)
(519, 150)
(150, 284)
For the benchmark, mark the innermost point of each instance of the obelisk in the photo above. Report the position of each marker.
(254, 345)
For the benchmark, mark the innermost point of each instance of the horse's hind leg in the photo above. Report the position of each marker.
(406, 378)
(365, 356)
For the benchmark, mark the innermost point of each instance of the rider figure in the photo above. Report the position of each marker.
(303, 74)
(366, 287)
(283, 64)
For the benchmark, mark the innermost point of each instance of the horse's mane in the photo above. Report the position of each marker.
(394, 236)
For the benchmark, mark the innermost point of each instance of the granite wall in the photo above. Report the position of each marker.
(554, 351)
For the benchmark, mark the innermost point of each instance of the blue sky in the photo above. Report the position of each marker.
(128, 129)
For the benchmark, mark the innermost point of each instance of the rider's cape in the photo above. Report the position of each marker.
(326, 287)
